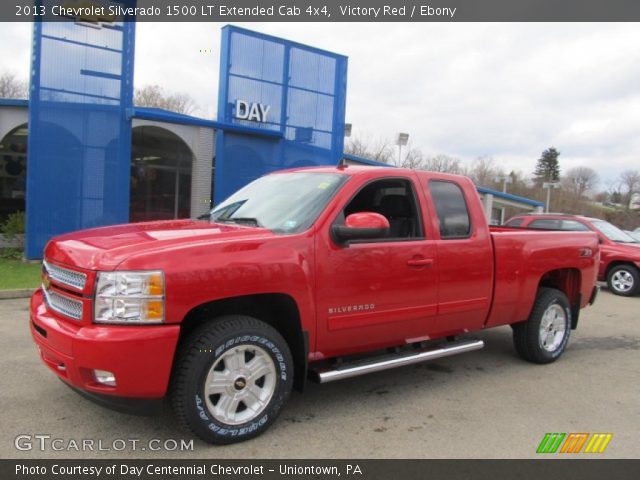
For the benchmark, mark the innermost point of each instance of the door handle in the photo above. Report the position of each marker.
(420, 262)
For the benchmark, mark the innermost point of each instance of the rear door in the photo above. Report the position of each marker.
(465, 255)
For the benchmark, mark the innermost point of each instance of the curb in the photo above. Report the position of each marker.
(16, 293)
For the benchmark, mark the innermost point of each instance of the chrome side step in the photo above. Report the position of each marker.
(392, 361)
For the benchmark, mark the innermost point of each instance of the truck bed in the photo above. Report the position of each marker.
(522, 257)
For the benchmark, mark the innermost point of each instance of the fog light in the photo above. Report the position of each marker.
(104, 377)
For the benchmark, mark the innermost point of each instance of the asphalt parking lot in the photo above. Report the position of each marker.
(484, 404)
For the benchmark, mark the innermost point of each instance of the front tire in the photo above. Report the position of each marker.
(623, 280)
(544, 336)
(231, 379)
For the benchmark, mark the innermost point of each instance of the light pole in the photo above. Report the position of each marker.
(549, 186)
(505, 179)
(401, 140)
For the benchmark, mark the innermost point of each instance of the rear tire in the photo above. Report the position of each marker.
(232, 377)
(623, 280)
(544, 336)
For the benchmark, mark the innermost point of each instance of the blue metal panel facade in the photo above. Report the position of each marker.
(79, 133)
(305, 90)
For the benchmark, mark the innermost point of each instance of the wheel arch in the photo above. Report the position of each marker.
(634, 270)
(617, 263)
(528, 336)
(569, 282)
(278, 310)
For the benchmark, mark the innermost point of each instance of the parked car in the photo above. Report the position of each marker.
(619, 251)
(331, 272)
(634, 235)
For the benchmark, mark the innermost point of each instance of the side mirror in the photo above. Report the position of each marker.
(361, 226)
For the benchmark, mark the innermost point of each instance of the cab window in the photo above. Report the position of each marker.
(451, 208)
(393, 198)
(546, 224)
(574, 226)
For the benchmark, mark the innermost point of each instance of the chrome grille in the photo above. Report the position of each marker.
(64, 305)
(67, 277)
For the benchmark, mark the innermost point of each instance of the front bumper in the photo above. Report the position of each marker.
(139, 356)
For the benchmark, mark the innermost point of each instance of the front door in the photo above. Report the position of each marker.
(377, 293)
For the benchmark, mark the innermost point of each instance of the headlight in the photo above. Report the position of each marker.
(129, 297)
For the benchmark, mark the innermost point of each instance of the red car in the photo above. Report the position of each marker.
(328, 272)
(619, 251)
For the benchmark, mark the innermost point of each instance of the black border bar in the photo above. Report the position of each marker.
(325, 469)
(336, 10)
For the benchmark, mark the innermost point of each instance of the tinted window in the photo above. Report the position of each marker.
(546, 224)
(516, 222)
(451, 208)
(574, 225)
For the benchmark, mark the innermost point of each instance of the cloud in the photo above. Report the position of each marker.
(508, 90)
(15, 45)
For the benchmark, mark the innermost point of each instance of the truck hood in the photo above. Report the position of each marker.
(106, 247)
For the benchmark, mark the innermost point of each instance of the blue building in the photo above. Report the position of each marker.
(280, 104)
(94, 159)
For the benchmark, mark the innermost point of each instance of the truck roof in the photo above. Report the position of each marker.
(553, 215)
(357, 170)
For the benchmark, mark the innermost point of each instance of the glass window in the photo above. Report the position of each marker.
(283, 203)
(13, 171)
(393, 198)
(612, 232)
(451, 208)
(546, 224)
(574, 226)
(161, 164)
(516, 222)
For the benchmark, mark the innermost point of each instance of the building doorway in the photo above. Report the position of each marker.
(161, 165)
(13, 171)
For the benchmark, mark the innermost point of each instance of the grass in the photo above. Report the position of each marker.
(18, 274)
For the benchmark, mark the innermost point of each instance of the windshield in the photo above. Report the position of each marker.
(281, 202)
(612, 232)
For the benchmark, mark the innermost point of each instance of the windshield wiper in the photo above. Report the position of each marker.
(242, 220)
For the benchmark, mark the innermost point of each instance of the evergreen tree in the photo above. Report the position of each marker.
(547, 168)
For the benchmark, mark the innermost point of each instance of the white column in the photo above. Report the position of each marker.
(487, 201)
(201, 172)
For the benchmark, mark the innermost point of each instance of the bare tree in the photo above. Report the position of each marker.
(12, 87)
(383, 150)
(483, 171)
(380, 150)
(442, 163)
(581, 180)
(413, 158)
(156, 96)
(630, 181)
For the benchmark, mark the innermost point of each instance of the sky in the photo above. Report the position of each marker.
(506, 90)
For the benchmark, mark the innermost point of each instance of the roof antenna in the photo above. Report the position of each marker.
(343, 163)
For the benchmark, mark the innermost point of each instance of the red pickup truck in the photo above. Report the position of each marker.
(324, 272)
